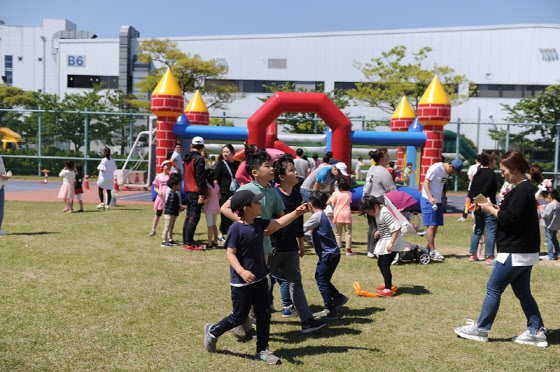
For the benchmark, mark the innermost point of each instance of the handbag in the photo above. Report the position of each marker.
(234, 183)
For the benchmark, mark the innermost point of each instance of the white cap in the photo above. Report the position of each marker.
(342, 168)
(198, 140)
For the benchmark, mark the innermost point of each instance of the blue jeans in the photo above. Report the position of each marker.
(520, 279)
(550, 235)
(482, 220)
(1, 206)
(323, 275)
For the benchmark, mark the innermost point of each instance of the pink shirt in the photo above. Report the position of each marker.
(341, 201)
(161, 183)
(212, 206)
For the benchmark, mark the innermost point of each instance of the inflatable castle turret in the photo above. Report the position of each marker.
(167, 105)
(434, 112)
(196, 111)
(400, 122)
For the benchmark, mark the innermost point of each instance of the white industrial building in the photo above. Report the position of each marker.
(507, 62)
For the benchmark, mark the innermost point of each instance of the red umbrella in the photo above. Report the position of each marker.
(400, 199)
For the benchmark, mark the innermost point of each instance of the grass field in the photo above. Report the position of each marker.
(92, 291)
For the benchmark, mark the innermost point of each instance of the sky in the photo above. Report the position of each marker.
(226, 17)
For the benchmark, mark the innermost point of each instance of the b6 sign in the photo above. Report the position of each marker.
(76, 61)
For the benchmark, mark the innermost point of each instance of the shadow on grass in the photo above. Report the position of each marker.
(331, 330)
(416, 290)
(290, 355)
(553, 336)
(35, 233)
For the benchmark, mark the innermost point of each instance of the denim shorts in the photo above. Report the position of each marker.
(429, 216)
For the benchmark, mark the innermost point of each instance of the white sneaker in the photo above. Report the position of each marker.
(3, 232)
(107, 207)
(529, 339)
(370, 255)
(472, 332)
(462, 219)
(152, 233)
(101, 206)
(435, 255)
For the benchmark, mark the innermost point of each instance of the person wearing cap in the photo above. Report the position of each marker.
(195, 189)
(431, 200)
(378, 182)
(323, 179)
(248, 270)
(160, 187)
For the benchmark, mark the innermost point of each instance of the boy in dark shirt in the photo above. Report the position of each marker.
(288, 242)
(172, 209)
(248, 271)
(328, 251)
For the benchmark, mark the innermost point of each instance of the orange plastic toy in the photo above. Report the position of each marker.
(359, 292)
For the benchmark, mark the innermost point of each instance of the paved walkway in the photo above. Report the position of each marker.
(24, 190)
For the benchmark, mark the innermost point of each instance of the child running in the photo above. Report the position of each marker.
(172, 209)
(341, 200)
(551, 217)
(390, 241)
(160, 186)
(211, 208)
(66, 192)
(78, 188)
(327, 249)
(248, 271)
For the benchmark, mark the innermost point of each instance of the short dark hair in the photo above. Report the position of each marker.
(250, 150)
(256, 160)
(174, 179)
(230, 147)
(281, 165)
(368, 203)
(315, 156)
(318, 199)
(343, 184)
(553, 193)
(299, 152)
(198, 146)
(378, 154)
(178, 144)
(327, 158)
(409, 163)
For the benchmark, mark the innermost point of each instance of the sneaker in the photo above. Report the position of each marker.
(193, 247)
(311, 325)
(107, 207)
(221, 239)
(79, 211)
(472, 332)
(152, 233)
(339, 301)
(473, 258)
(490, 261)
(370, 255)
(101, 206)
(173, 242)
(209, 340)
(187, 247)
(544, 258)
(462, 219)
(382, 287)
(435, 255)
(289, 311)
(165, 244)
(350, 253)
(3, 232)
(326, 314)
(384, 293)
(529, 339)
(267, 356)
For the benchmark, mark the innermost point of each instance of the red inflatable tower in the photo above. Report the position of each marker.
(167, 105)
(196, 111)
(434, 111)
(400, 122)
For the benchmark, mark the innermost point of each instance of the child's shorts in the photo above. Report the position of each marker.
(211, 219)
(429, 216)
(78, 190)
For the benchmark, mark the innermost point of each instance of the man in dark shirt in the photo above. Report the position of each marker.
(195, 188)
(288, 244)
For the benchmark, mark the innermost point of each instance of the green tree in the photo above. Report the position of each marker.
(389, 77)
(219, 122)
(190, 70)
(13, 98)
(543, 109)
(305, 122)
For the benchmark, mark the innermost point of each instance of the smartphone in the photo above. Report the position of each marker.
(480, 199)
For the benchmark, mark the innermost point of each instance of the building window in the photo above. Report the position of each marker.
(507, 90)
(88, 81)
(258, 86)
(344, 85)
(277, 63)
(8, 69)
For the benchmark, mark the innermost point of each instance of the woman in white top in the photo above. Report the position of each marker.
(107, 169)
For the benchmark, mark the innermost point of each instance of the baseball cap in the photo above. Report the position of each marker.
(342, 168)
(457, 165)
(198, 140)
(165, 162)
(242, 198)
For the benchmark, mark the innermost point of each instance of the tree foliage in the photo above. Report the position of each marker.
(190, 70)
(305, 122)
(13, 97)
(389, 77)
(543, 109)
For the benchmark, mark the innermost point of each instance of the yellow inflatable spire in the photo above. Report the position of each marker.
(403, 110)
(435, 94)
(196, 104)
(168, 86)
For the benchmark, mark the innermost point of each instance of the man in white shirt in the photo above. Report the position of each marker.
(177, 160)
(302, 167)
(431, 202)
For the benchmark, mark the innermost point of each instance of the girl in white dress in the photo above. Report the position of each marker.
(107, 169)
(390, 241)
(66, 192)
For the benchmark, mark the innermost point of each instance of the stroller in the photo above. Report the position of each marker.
(398, 203)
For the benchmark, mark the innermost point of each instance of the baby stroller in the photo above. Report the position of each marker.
(398, 202)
